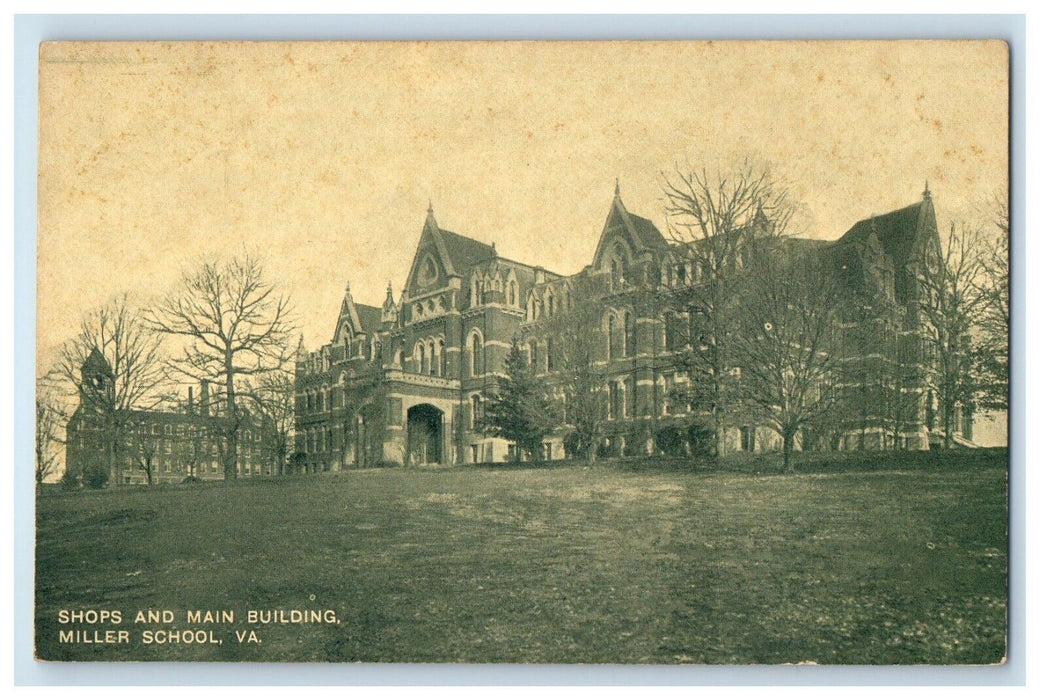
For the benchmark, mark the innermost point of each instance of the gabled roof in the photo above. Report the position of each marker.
(361, 318)
(464, 252)
(646, 231)
(370, 317)
(641, 232)
(897, 231)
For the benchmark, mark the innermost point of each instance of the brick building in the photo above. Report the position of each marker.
(405, 382)
(177, 443)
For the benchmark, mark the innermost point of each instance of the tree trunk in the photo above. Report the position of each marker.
(947, 412)
(787, 450)
(229, 458)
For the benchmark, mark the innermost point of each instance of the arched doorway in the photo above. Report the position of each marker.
(425, 434)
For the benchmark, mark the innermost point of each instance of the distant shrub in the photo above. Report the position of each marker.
(702, 441)
(636, 442)
(70, 480)
(96, 476)
(670, 441)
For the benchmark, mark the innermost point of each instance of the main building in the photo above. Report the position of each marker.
(405, 383)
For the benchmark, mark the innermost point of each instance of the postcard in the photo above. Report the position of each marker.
(608, 352)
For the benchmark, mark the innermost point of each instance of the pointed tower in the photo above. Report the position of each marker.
(348, 324)
(389, 311)
(96, 375)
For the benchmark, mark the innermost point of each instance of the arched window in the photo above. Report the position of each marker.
(630, 335)
(667, 330)
(441, 370)
(550, 302)
(534, 308)
(512, 293)
(550, 355)
(419, 356)
(532, 349)
(477, 292)
(610, 336)
(615, 273)
(432, 359)
(475, 355)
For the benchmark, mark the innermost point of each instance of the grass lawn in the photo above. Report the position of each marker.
(557, 565)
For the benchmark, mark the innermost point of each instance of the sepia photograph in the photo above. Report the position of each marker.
(523, 352)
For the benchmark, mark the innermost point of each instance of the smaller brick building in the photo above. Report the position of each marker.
(177, 443)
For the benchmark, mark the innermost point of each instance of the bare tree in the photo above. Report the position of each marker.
(951, 304)
(787, 344)
(715, 217)
(50, 419)
(114, 364)
(579, 345)
(144, 449)
(272, 396)
(236, 324)
(993, 343)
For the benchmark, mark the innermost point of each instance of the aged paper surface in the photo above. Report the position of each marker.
(330, 164)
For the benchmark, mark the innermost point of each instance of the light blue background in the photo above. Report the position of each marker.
(30, 30)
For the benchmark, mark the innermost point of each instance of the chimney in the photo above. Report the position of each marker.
(205, 402)
(539, 275)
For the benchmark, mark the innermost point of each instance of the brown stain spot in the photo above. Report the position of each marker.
(937, 125)
(821, 76)
(887, 77)
(976, 150)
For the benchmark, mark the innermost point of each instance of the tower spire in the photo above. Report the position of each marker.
(926, 189)
(617, 189)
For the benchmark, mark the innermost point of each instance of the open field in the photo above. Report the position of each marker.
(885, 564)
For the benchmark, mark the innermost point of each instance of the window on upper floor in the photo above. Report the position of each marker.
(475, 356)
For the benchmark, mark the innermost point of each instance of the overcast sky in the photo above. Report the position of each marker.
(324, 156)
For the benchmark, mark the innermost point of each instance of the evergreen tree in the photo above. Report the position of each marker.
(521, 411)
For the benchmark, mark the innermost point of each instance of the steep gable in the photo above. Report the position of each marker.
(902, 232)
(441, 255)
(639, 234)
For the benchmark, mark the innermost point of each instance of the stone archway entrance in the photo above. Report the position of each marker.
(425, 434)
